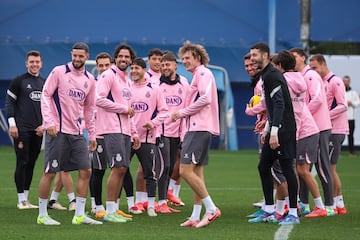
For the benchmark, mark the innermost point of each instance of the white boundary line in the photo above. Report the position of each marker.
(283, 232)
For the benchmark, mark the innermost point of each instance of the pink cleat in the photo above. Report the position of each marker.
(190, 223)
(209, 218)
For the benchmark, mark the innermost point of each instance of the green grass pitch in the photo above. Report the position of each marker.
(233, 183)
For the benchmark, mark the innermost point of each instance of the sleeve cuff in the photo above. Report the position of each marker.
(274, 131)
(11, 122)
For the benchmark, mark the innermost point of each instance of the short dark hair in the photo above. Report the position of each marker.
(319, 58)
(155, 51)
(81, 46)
(34, 53)
(169, 56)
(263, 47)
(247, 56)
(124, 46)
(140, 62)
(286, 59)
(103, 55)
(300, 52)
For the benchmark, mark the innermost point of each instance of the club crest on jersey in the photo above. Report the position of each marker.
(29, 86)
(86, 85)
(140, 106)
(180, 91)
(76, 94)
(147, 94)
(126, 94)
(35, 96)
(173, 100)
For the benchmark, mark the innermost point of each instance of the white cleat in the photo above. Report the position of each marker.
(47, 220)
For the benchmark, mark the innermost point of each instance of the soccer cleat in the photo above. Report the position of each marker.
(305, 211)
(189, 223)
(140, 206)
(84, 219)
(264, 217)
(125, 218)
(164, 208)
(135, 210)
(341, 211)
(209, 218)
(256, 214)
(31, 206)
(55, 205)
(259, 204)
(113, 217)
(330, 212)
(23, 205)
(100, 214)
(289, 220)
(181, 204)
(171, 197)
(72, 206)
(146, 204)
(125, 215)
(46, 220)
(151, 212)
(317, 212)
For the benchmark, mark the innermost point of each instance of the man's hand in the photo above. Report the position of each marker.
(52, 131)
(137, 143)
(13, 130)
(39, 131)
(175, 116)
(92, 145)
(131, 112)
(148, 125)
(274, 142)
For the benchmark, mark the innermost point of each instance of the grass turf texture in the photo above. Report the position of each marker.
(233, 183)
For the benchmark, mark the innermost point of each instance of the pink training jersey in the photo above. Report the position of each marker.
(260, 109)
(66, 92)
(336, 99)
(153, 77)
(202, 107)
(149, 105)
(114, 97)
(305, 124)
(316, 98)
(175, 96)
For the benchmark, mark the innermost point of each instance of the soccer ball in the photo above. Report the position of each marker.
(254, 100)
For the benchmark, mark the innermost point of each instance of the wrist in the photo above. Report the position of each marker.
(12, 122)
(274, 131)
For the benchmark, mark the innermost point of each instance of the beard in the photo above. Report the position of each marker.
(78, 65)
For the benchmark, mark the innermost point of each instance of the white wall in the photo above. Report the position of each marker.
(348, 65)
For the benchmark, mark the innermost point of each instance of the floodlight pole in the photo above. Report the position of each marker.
(305, 25)
(272, 25)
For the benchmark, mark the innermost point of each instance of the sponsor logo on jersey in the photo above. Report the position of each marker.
(76, 94)
(173, 100)
(140, 106)
(35, 96)
(126, 94)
